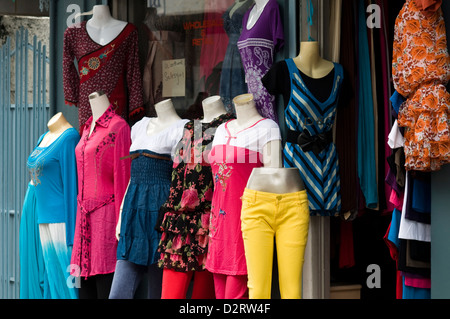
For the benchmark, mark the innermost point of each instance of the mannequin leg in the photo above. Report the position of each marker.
(219, 285)
(236, 287)
(230, 286)
(291, 238)
(175, 284)
(258, 234)
(127, 277)
(203, 285)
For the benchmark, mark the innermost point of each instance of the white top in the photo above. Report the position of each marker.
(395, 137)
(163, 142)
(253, 138)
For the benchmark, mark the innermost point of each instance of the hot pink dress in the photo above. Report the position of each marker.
(232, 160)
(102, 181)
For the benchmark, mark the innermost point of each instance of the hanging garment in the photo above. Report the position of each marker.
(186, 212)
(393, 243)
(257, 47)
(232, 159)
(102, 181)
(309, 121)
(151, 169)
(346, 114)
(112, 68)
(232, 78)
(54, 185)
(366, 121)
(421, 70)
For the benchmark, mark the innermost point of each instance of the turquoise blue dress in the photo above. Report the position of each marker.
(33, 280)
(148, 189)
(48, 220)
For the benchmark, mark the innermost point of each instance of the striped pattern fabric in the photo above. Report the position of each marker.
(320, 173)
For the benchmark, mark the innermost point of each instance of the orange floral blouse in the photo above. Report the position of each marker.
(421, 69)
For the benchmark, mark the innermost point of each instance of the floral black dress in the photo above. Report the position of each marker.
(184, 240)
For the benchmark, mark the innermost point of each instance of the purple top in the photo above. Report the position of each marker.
(257, 47)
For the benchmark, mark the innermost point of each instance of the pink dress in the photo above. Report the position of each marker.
(232, 160)
(102, 181)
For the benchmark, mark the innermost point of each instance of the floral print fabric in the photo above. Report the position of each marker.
(185, 226)
(421, 69)
(112, 68)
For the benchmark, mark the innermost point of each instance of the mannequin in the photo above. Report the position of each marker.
(241, 145)
(166, 115)
(266, 185)
(102, 27)
(100, 47)
(53, 185)
(310, 119)
(246, 115)
(151, 151)
(310, 62)
(102, 182)
(186, 213)
(256, 12)
(212, 108)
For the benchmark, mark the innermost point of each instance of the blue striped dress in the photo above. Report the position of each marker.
(320, 172)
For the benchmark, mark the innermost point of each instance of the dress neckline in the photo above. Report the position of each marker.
(104, 45)
(299, 74)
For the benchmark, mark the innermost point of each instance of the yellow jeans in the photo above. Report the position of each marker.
(285, 217)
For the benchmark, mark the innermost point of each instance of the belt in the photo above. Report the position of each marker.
(307, 142)
(84, 250)
(136, 155)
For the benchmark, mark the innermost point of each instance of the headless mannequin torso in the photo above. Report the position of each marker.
(166, 116)
(212, 108)
(246, 116)
(272, 177)
(256, 12)
(99, 104)
(310, 62)
(56, 126)
(102, 27)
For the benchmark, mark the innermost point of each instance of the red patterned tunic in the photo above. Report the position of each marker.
(112, 68)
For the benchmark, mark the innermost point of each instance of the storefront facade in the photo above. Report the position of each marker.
(196, 41)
